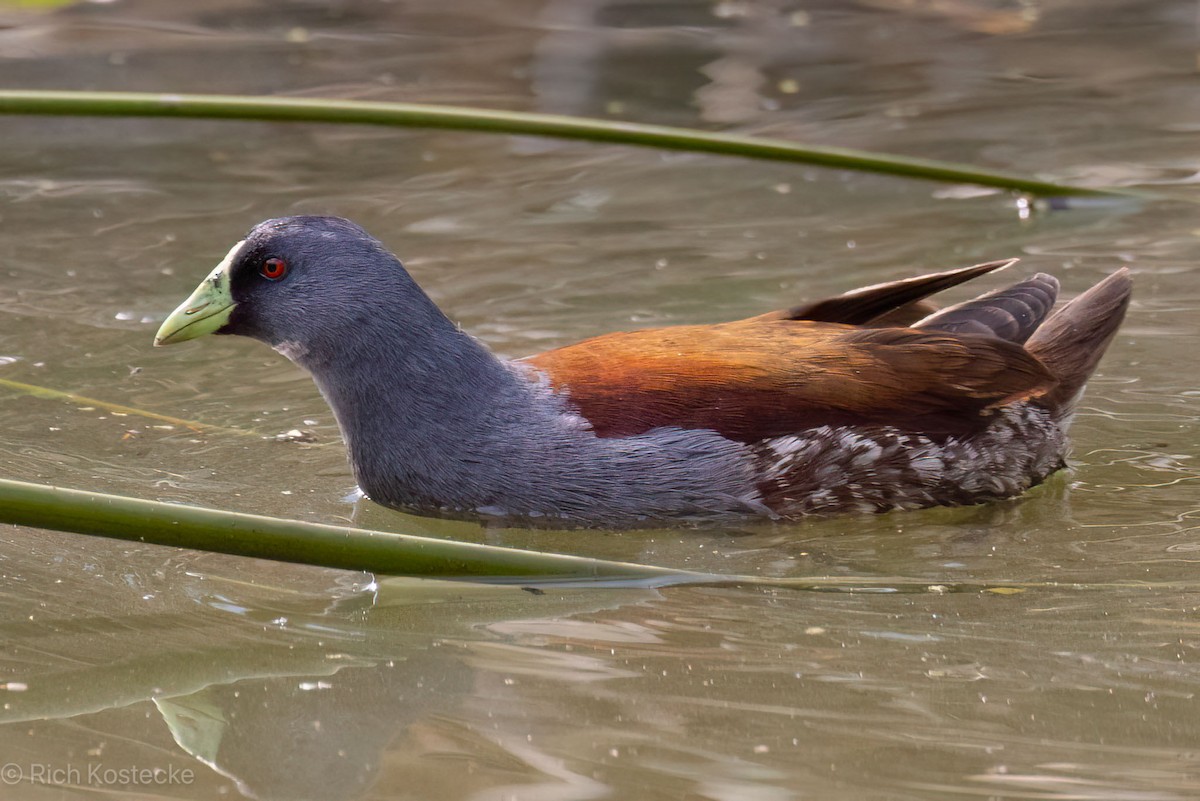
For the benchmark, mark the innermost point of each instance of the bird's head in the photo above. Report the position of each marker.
(299, 284)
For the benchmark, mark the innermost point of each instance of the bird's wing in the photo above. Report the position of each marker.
(892, 303)
(763, 377)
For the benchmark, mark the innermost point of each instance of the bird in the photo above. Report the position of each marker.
(870, 401)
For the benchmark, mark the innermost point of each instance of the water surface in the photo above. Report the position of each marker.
(277, 681)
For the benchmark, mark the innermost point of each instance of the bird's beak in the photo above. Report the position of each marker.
(205, 311)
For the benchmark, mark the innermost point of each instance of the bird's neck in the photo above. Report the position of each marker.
(422, 407)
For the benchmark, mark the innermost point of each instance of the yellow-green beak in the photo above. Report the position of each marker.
(205, 310)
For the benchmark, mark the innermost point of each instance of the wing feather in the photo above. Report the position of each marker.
(764, 377)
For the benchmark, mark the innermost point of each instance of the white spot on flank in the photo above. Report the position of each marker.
(869, 453)
(784, 446)
(928, 467)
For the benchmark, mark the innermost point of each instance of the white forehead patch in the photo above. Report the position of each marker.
(221, 271)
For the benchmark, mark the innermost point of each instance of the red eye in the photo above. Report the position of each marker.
(273, 269)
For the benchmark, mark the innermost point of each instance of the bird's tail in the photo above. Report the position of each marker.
(1071, 342)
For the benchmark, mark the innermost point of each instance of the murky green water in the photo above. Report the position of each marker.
(236, 677)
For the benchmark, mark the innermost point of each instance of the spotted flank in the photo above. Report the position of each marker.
(834, 470)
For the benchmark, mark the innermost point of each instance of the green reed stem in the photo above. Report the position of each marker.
(123, 518)
(288, 109)
(387, 553)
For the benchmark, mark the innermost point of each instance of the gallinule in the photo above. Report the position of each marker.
(859, 403)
